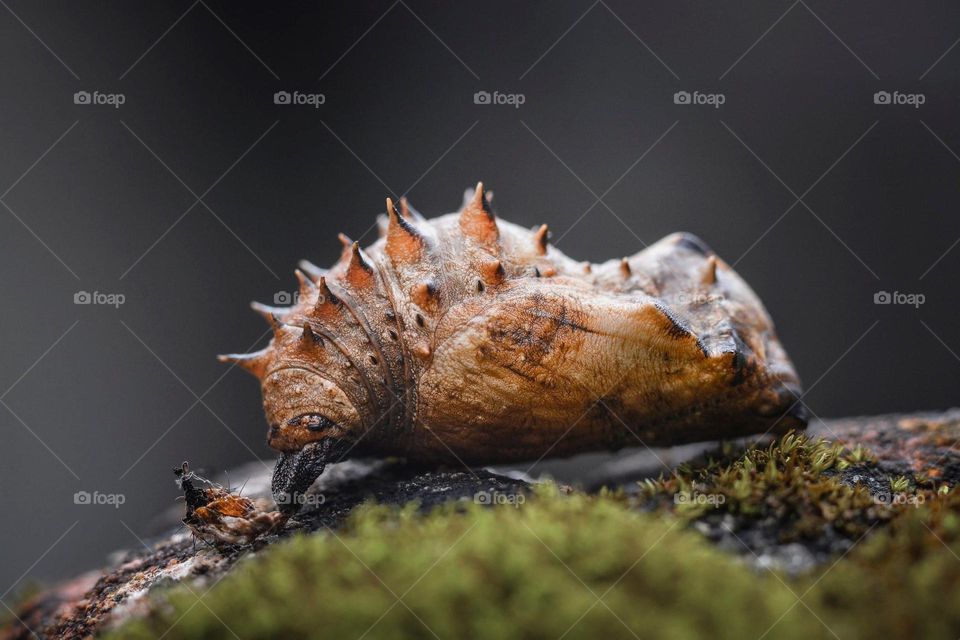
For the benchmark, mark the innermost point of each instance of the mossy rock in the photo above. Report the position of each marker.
(873, 510)
(573, 567)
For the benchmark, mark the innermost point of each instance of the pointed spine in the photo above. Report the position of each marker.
(327, 299)
(254, 363)
(270, 314)
(308, 338)
(273, 316)
(312, 270)
(404, 242)
(625, 268)
(541, 238)
(359, 270)
(477, 220)
(408, 212)
(307, 286)
(277, 325)
(425, 295)
(710, 272)
(492, 272)
(346, 244)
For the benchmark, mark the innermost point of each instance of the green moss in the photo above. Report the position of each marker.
(901, 582)
(532, 572)
(794, 482)
(899, 484)
(537, 570)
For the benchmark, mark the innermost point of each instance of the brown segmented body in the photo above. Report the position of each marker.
(470, 339)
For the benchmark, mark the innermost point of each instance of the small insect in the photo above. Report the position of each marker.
(468, 339)
(217, 516)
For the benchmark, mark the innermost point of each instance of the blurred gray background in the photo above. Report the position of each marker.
(199, 193)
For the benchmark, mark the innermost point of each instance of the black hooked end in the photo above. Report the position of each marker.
(296, 472)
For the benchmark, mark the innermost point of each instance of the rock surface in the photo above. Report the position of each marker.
(91, 602)
(917, 446)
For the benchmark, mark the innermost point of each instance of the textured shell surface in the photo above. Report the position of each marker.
(468, 339)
